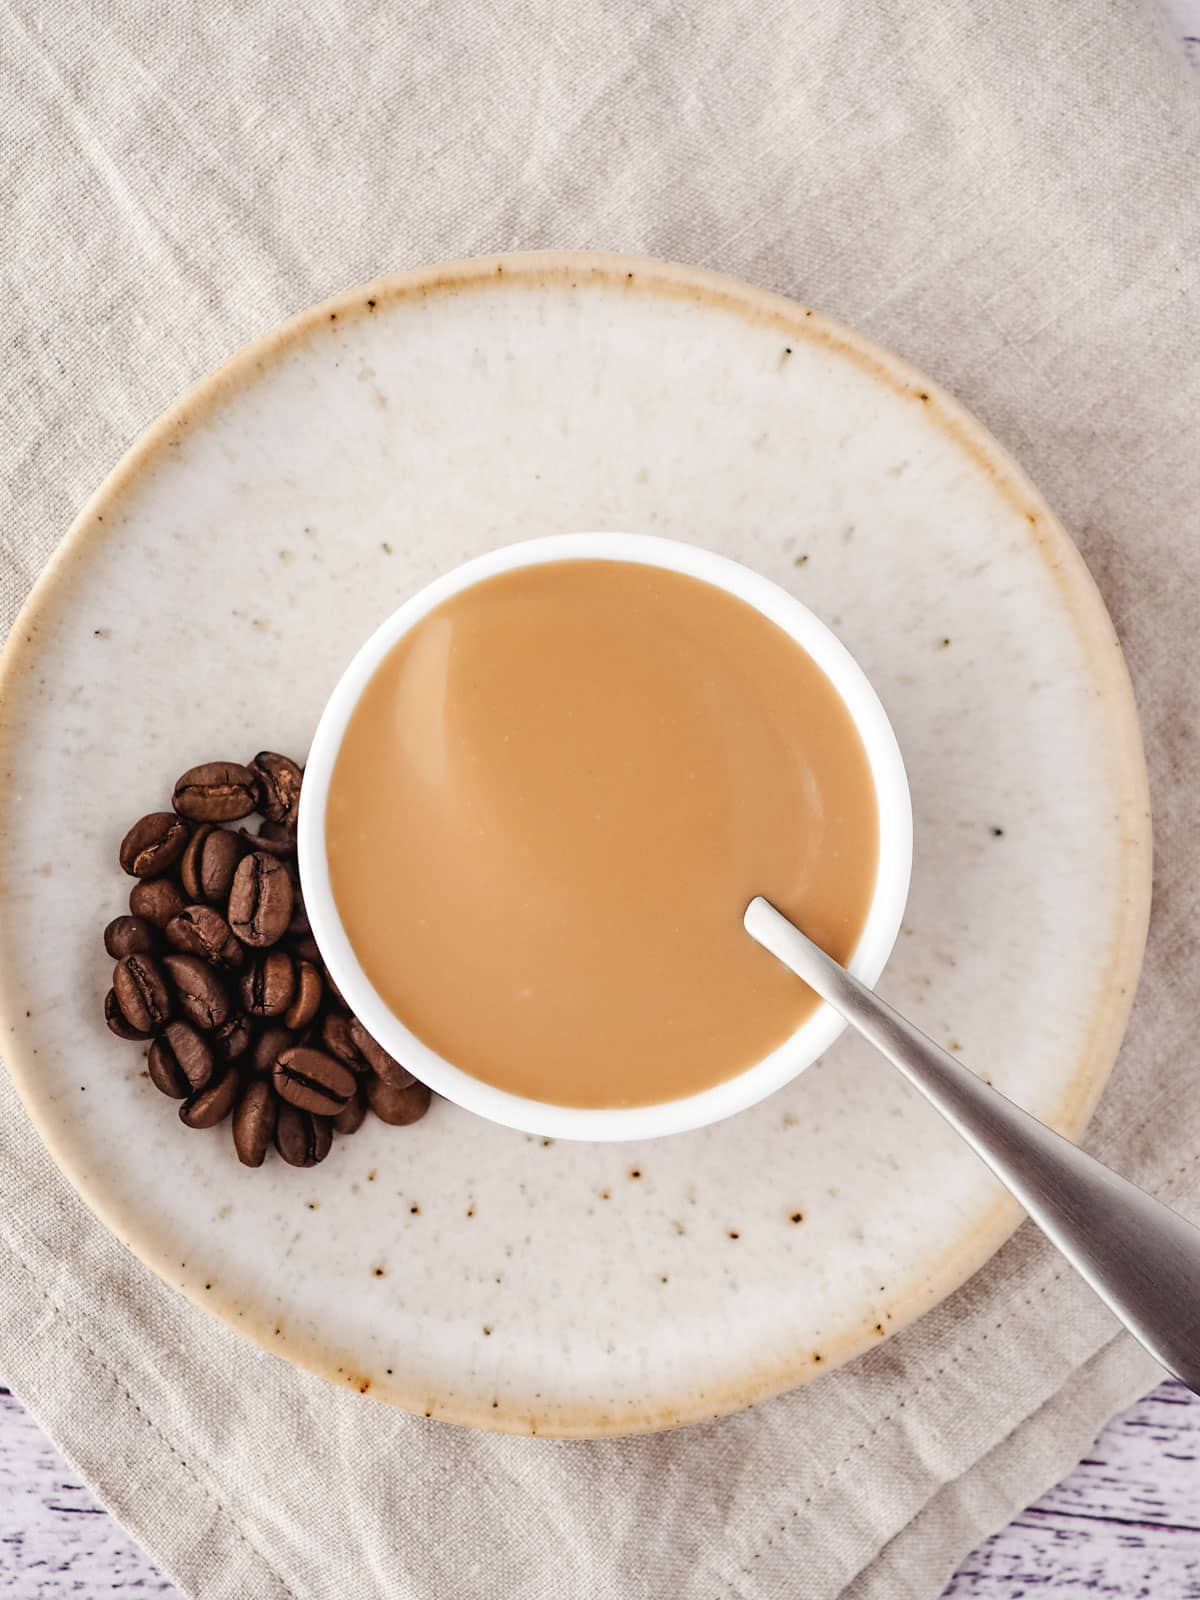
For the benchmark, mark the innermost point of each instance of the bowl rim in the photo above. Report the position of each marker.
(754, 1083)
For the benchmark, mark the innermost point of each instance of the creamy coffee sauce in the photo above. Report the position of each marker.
(551, 807)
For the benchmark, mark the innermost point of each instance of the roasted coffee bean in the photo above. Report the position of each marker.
(130, 936)
(117, 1021)
(279, 780)
(153, 845)
(305, 946)
(213, 1104)
(397, 1106)
(282, 849)
(165, 1074)
(268, 1047)
(313, 1081)
(216, 791)
(350, 1118)
(219, 856)
(189, 862)
(192, 1051)
(202, 931)
(269, 984)
(207, 866)
(377, 1058)
(142, 992)
(272, 837)
(233, 1038)
(254, 1122)
(156, 899)
(260, 901)
(299, 926)
(302, 1139)
(200, 995)
(335, 1035)
(180, 1060)
(307, 999)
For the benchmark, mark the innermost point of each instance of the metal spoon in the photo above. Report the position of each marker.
(1140, 1257)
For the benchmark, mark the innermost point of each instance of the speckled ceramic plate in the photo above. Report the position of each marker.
(208, 598)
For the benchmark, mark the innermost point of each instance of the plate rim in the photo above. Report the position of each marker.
(1081, 599)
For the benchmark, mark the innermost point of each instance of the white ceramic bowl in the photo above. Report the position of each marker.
(809, 1041)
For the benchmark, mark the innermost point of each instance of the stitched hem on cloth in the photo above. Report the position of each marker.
(889, 1573)
(794, 1522)
(205, 1489)
(789, 1526)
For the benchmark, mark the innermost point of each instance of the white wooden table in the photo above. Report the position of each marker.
(1125, 1523)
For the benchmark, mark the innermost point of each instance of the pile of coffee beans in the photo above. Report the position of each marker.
(217, 968)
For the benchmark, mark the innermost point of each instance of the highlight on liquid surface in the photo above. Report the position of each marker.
(552, 805)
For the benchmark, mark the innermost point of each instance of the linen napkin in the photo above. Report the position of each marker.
(1008, 196)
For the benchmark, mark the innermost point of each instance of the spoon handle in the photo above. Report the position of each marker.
(1141, 1258)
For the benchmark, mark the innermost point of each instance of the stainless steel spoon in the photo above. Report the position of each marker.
(1141, 1258)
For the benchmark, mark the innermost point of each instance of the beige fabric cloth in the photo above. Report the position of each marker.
(1008, 196)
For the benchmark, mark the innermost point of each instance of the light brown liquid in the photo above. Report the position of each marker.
(551, 808)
